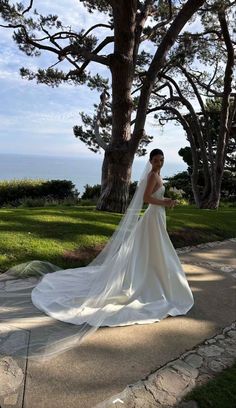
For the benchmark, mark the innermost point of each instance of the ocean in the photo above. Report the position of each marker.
(80, 171)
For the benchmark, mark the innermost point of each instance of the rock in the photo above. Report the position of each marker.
(143, 398)
(227, 361)
(232, 334)
(194, 360)
(168, 384)
(162, 397)
(11, 399)
(216, 366)
(211, 341)
(219, 337)
(182, 367)
(11, 376)
(210, 351)
(231, 351)
(204, 378)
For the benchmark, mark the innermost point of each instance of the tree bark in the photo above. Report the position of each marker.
(118, 157)
(116, 174)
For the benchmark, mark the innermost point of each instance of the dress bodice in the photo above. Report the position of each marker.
(159, 193)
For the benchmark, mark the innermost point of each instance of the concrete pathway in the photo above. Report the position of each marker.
(112, 358)
(168, 386)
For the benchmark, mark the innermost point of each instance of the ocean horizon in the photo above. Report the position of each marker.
(80, 170)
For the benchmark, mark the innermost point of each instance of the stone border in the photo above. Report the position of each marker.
(231, 270)
(167, 386)
(13, 367)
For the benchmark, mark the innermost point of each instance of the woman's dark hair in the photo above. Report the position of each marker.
(154, 152)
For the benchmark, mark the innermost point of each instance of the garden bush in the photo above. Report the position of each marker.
(92, 193)
(17, 192)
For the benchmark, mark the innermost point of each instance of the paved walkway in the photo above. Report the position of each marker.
(167, 386)
(111, 358)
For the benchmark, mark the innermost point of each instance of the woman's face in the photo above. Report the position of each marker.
(157, 162)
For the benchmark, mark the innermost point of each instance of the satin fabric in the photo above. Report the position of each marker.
(153, 283)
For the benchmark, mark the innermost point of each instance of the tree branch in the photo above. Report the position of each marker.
(96, 26)
(190, 136)
(140, 22)
(187, 11)
(104, 97)
(79, 71)
(204, 113)
(224, 120)
(158, 25)
(28, 8)
(53, 41)
(88, 55)
(166, 84)
(205, 86)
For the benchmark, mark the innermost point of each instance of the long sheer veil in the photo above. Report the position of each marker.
(108, 285)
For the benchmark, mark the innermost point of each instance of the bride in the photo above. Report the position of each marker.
(136, 279)
(140, 280)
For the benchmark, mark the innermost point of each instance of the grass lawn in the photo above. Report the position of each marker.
(217, 393)
(71, 236)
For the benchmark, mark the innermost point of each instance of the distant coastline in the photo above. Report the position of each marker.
(81, 170)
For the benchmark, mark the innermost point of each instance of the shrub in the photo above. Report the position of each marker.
(17, 192)
(47, 201)
(92, 193)
(132, 189)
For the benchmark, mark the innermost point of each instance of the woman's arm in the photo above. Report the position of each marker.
(147, 197)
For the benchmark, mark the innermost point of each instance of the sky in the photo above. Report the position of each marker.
(37, 120)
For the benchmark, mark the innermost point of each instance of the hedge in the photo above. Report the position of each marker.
(13, 191)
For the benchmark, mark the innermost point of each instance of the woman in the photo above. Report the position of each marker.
(136, 279)
(140, 281)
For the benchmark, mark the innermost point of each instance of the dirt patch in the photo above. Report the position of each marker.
(83, 254)
(191, 236)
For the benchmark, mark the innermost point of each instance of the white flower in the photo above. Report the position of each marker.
(177, 191)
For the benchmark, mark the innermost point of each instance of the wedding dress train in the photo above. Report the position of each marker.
(151, 283)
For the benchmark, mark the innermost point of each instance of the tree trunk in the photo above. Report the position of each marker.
(117, 167)
(118, 157)
(212, 201)
(209, 198)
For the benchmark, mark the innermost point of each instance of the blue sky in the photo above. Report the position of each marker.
(36, 119)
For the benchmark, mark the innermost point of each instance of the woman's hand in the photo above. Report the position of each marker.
(168, 202)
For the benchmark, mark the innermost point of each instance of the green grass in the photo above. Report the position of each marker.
(46, 233)
(189, 225)
(218, 392)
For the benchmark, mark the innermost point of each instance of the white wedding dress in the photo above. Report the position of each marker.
(151, 283)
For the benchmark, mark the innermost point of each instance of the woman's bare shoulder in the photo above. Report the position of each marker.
(154, 176)
(151, 174)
